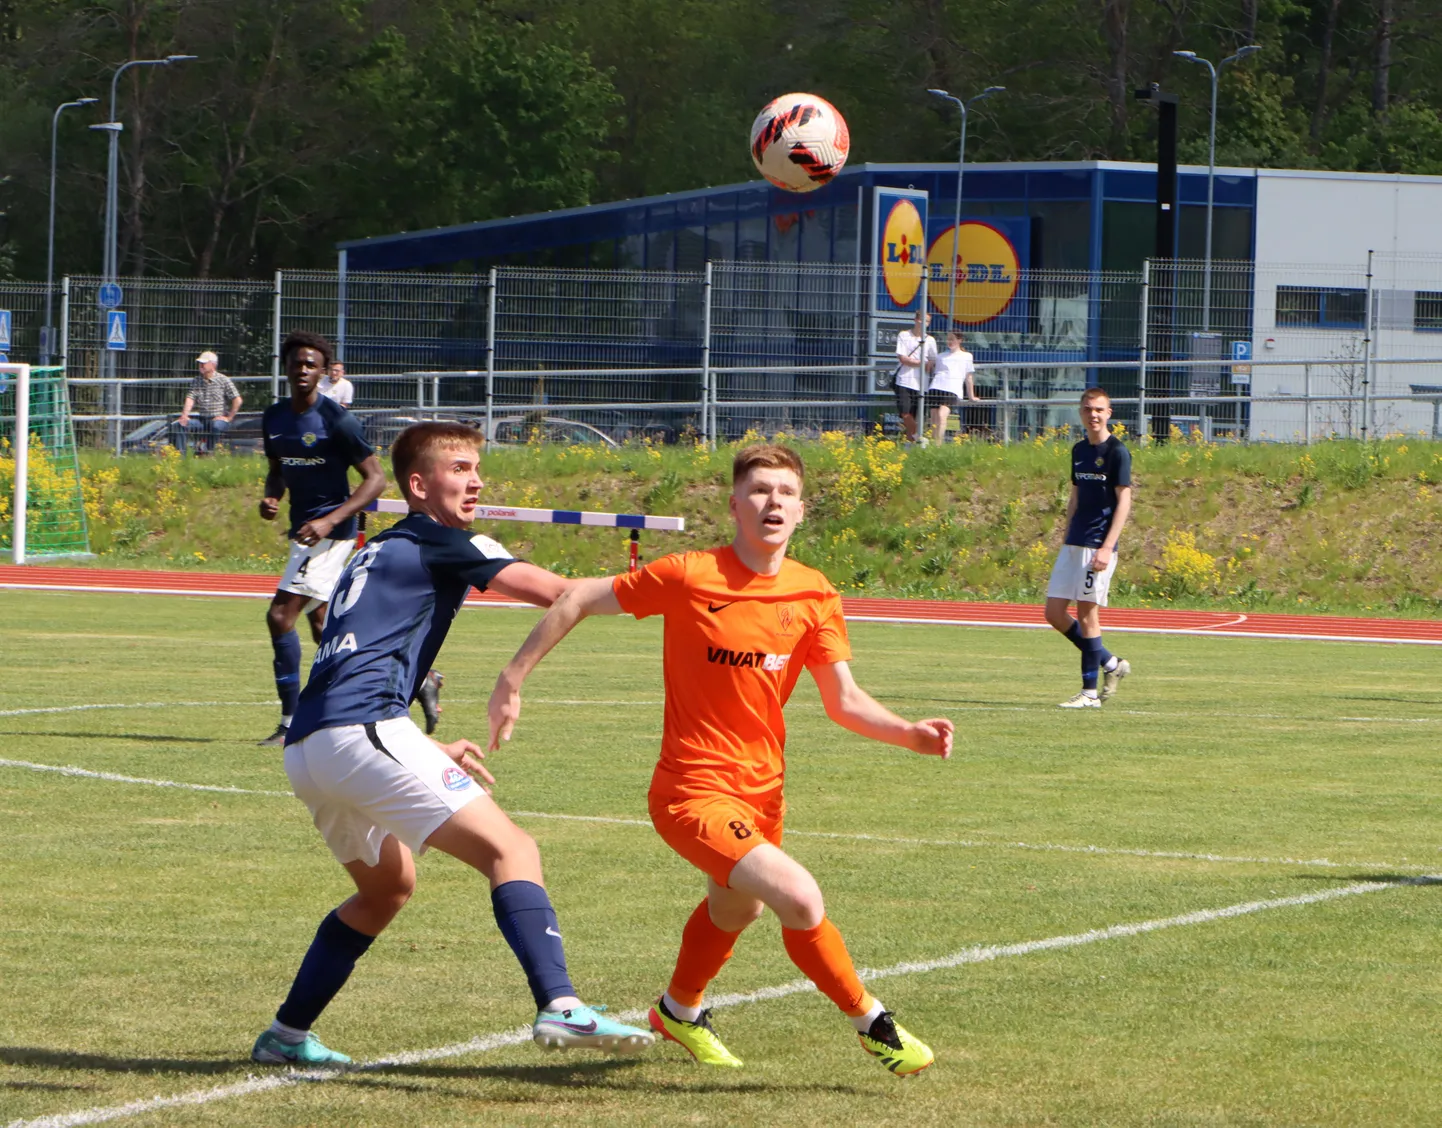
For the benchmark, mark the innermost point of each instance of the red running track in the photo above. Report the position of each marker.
(1151, 620)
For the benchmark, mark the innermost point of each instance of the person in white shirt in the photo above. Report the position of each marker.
(952, 384)
(334, 385)
(911, 357)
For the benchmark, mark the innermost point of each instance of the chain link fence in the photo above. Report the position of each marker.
(1238, 350)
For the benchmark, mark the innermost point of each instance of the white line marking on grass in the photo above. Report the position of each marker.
(131, 705)
(945, 843)
(484, 1043)
(85, 773)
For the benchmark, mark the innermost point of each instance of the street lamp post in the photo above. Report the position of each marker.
(109, 267)
(963, 106)
(1193, 57)
(47, 345)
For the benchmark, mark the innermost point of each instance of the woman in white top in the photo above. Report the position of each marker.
(952, 384)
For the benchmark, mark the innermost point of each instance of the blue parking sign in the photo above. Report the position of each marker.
(4, 330)
(115, 330)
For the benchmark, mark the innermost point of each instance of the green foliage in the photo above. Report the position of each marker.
(308, 122)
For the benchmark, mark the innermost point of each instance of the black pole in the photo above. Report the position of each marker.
(1161, 311)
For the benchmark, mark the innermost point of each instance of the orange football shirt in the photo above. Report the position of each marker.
(735, 643)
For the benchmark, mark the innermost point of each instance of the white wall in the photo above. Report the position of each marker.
(1315, 229)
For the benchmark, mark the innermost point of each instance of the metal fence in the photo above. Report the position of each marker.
(1268, 352)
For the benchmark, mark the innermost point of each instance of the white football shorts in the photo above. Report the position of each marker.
(313, 570)
(362, 782)
(1073, 579)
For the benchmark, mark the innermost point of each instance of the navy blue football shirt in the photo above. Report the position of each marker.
(1097, 471)
(388, 617)
(315, 449)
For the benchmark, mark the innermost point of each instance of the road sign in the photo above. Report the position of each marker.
(1241, 373)
(4, 330)
(109, 296)
(115, 330)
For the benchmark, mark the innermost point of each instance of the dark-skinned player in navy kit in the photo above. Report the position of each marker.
(312, 443)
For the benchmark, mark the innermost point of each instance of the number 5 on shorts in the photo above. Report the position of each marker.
(1090, 581)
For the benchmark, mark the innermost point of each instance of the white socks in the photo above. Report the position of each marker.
(288, 1034)
(863, 1022)
(685, 1014)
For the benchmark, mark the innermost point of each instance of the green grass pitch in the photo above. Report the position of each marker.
(148, 933)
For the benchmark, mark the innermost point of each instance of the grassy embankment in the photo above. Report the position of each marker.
(1341, 526)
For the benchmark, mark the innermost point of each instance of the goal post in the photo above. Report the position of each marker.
(42, 505)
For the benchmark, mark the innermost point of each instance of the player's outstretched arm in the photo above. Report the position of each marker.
(853, 708)
(530, 583)
(580, 600)
(274, 490)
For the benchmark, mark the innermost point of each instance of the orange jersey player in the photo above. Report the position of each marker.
(740, 624)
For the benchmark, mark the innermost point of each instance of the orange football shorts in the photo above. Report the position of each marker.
(713, 831)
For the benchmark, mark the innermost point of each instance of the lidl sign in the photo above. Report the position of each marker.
(975, 272)
(899, 242)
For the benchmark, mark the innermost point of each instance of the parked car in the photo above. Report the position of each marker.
(382, 428)
(243, 437)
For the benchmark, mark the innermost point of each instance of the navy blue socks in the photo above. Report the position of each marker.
(327, 965)
(1091, 661)
(287, 672)
(528, 923)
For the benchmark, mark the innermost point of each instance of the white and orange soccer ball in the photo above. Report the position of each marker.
(799, 142)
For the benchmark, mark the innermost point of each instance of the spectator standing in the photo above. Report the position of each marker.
(953, 383)
(915, 350)
(213, 397)
(335, 386)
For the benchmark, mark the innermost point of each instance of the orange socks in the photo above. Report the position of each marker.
(821, 954)
(704, 951)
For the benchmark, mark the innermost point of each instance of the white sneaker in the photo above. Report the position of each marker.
(1112, 678)
(1082, 700)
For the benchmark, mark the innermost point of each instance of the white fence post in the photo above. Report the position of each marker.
(491, 354)
(22, 463)
(1367, 357)
(1143, 428)
(65, 324)
(275, 316)
(708, 393)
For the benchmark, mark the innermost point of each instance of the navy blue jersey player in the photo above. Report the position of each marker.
(312, 443)
(1101, 500)
(380, 790)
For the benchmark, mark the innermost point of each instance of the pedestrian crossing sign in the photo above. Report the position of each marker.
(115, 330)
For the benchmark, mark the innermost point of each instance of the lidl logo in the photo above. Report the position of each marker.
(901, 244)
(979, 265)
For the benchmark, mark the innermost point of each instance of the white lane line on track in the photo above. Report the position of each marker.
(130, 705)
(973, 955)
(942, 843)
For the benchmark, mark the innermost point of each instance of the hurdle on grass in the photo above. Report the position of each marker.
(633, 521)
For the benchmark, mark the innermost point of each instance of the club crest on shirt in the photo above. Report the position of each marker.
(455, 779)
(1100, 461)
(786, 616)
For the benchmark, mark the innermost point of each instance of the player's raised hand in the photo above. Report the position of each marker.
(933, 737)
(269, 507)
(468, 754)
(503, 711)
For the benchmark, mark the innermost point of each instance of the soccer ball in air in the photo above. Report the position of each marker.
(799, 142)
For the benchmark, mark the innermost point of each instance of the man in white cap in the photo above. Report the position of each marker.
(213, 398)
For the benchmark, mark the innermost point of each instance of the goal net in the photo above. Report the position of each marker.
(42, 507)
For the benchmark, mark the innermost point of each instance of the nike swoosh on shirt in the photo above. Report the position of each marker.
(714, 607)
(273, 436)
(552, 932)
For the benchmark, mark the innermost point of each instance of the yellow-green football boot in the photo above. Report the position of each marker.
(697, 1038)
(902, 1053)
